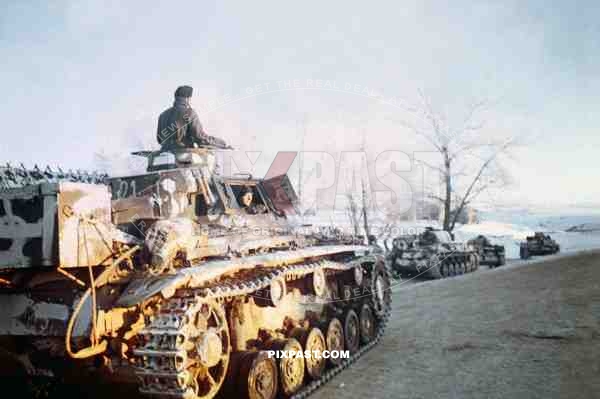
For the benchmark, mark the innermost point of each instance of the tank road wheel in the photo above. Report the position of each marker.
(501, 260)
(462, 269)
(258, 376)
(452, 269)
(445, 269)
(205, 340)
(291, 367)
(312, 341)
(335, 339)
(351, 331)
(367, 324)
(380, 289)
(470, 263)
(434, 266)
(315, 342)
(475, 262)
(319, 283)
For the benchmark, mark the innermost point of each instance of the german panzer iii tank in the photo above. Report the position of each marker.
(164, 279)
(432, 254)
(538, 244)
(489, 254)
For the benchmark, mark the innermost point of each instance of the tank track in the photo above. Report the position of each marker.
(440, 265)
(454, 264)
(160, 336)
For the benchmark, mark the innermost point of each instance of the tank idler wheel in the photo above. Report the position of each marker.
(258, 376)
(367, 324)
(319, 283)
(207, 350)
(351, 331)
(291, 366)
(335, 340)
(380, 289)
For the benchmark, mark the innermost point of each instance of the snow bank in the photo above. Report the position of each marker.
(585, 228)
(495, 229)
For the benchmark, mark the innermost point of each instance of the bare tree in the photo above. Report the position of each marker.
(353, 213)
(467, 159)
(364, 190)
(365, 207)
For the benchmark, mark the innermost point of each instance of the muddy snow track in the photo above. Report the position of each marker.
(527, 330)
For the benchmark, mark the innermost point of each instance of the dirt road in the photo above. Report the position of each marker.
(524, 331)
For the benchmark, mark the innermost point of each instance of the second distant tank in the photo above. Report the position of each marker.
(489, 254)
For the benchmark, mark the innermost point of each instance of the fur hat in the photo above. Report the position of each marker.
(184, 91)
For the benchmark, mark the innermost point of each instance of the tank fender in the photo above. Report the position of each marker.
(196, 276)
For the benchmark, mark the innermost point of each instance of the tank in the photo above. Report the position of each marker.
(432, 254)
(538, 244)
(489, 254)
(166, 281)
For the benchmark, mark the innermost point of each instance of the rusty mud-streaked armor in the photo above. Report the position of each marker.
(163, 280)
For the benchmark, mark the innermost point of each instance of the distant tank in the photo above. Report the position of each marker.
(488, 253)
(164, 279)
(432, 253)
(538, 244)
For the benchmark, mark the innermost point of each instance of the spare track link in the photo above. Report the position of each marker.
(162, 334)
(16, 177)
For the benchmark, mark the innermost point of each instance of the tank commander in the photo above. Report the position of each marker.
(180, 127)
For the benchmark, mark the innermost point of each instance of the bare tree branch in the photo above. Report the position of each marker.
(455, 148)
(468, 193)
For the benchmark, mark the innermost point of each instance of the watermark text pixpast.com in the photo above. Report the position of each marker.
(315, 354)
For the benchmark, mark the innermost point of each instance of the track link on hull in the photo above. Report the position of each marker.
(158, 358)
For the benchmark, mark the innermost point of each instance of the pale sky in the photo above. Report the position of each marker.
(81, 77)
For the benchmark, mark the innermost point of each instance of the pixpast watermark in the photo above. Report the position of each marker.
(306, 354)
